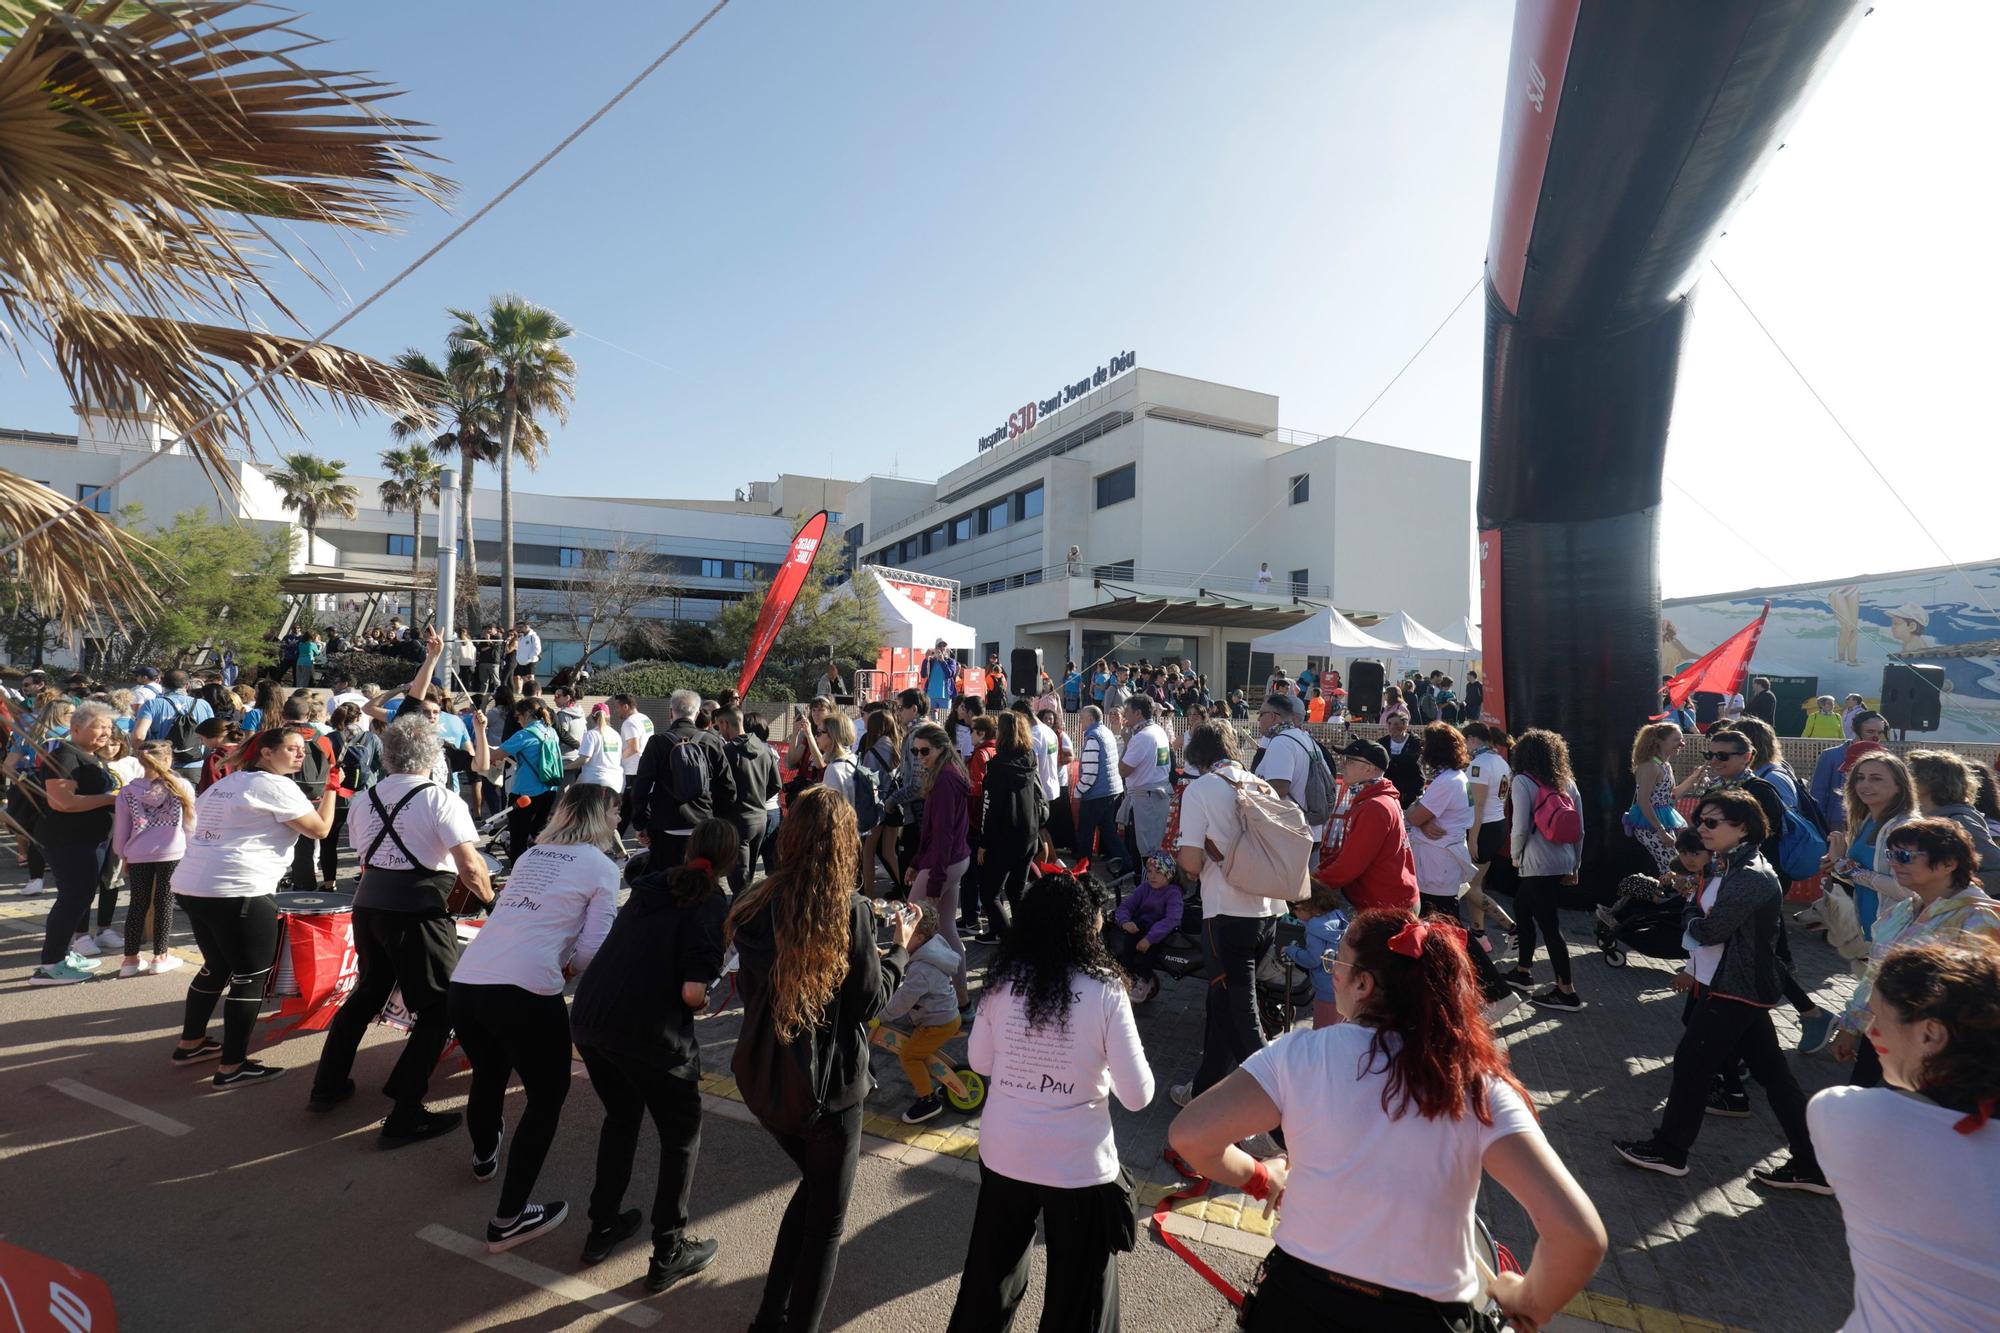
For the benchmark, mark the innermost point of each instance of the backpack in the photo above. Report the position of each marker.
(687, 768)
(1801, 847)
(186, 740)
(1556, 817)
(1317, 797)
(1272, 856)
(312, 776)
(867, 794)
(548, 763)
(1807, 806)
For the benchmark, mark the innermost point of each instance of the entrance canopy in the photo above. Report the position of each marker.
(1321, 634)
(1413, 640)
(904, 623)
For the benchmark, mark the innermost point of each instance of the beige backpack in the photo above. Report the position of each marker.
(1272, 856)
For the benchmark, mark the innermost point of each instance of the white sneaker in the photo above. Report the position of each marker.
(1498, 1009)
(86, 947)
(32, 886)
(110, 940)
(166, 962)
(131, 969)
(1181, 1093)
(80, 963)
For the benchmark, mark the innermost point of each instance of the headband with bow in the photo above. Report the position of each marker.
(1058, 868)
(1409, 941)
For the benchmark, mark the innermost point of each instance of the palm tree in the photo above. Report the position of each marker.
(144, 145)
(458, 417)
(415, 479)
(315, 487)
(521, 343)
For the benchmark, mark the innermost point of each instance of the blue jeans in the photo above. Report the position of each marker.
(1099, 815)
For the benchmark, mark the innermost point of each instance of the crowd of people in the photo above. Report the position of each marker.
(1015, 873)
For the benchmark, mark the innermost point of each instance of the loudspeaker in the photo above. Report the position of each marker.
(1365, 678)
(1707, 708)
(1912, 696)
(1025, 675)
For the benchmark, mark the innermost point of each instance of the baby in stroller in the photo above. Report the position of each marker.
(1647, 915)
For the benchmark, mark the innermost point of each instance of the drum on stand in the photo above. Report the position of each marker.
(284, 980)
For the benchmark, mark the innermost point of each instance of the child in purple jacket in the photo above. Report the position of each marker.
(149, 827)
(1149, 914)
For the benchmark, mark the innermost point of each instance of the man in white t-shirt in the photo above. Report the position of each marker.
(634, 730)
(1237, 928)
(527, 651)
(416, 840)
(1287, 759)
(1146, 767)
(344, 693)
(146, 689)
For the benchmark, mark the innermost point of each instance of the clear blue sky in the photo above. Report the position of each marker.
(849, 238)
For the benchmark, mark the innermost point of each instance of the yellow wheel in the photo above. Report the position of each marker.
(974, 1095)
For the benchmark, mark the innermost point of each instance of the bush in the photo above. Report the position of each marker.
(365, 669)
(657, 680)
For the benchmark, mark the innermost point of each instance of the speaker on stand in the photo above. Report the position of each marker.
(1365, 678)
(1024, 671)
(1912, 696)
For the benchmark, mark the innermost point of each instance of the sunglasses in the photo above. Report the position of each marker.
(1903, 856)
(922, 751)
(1726, 754)
(1711, 822)
(1329, 960)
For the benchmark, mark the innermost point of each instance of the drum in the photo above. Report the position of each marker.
(284, 980)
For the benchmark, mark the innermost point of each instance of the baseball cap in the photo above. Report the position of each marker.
(1366, 751)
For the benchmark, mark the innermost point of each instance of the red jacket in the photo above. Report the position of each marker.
(1370, 860)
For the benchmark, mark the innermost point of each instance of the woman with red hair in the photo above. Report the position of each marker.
(1402, 1106)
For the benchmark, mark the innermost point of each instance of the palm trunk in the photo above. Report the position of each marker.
(416, 556)
(508, 424)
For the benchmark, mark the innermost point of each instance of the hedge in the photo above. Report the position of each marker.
(376, 669)
(657, 680)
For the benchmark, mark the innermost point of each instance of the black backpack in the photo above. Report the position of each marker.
(182, 735)
(687, 768)
(313, 775)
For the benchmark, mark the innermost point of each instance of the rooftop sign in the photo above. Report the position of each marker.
(1023, 418)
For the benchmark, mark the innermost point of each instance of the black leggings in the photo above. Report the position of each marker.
(1535, 908)
(1000, 888)
(107, 889)
(75, 868)
(1291, 1294)
(152, 897)
(504, 1029)
(238, 938)
(808, 1245)
(525, 822)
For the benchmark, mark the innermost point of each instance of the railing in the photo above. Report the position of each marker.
(1141, 577)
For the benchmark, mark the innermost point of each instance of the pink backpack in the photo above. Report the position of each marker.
(1556, 817)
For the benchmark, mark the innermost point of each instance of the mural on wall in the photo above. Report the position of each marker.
(1844, 631)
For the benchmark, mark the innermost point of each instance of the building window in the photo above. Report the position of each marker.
(569, 557)
(746, 569)
(1300, 577)
(907, 551)
(1301, 488)
(833, 516)
(403, 544)
(1117, 486)
(711, 569)
(97, 499)
(1028, 504)
(961, 529)
(935, 540)
(994, 517)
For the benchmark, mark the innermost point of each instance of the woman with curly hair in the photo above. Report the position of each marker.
(811, 979)
(1055, 1040)
(1916, 1164)
(1541, 763)
(1404, 1105)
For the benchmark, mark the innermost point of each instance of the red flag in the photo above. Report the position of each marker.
(778, 599)
(1721, 671)
(43, 1294)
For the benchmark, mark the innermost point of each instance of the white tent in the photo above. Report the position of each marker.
(904, 623)
(1470, 633)
(1322, 634)
(1413, 640)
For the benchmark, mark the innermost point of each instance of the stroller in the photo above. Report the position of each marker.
(1646, 919)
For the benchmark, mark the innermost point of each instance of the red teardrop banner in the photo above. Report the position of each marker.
(784, 590)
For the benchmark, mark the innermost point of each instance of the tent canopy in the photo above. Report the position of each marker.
(1413, 639)
(1470, 633)
(904, 623)
(1321, 634)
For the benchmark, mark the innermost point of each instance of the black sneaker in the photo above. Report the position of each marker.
(689, 1256)
(1650, 1156)
(247, 1072)
(485, 1168)
(326, 1101)
(1551, 997)
(987, 936)
(1521, 980)
(210, 1049)
(1733, 1104)
(923, 1108)
(534, 1220)
(601, 1241)
(1790, 1177)
(400, 1129)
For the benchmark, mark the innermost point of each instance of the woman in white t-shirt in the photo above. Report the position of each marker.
(597, 755)
(1439, 820)
(1055, 1040)
(1488, 776)
(1916, 1164)
(507, 997)
(1403, 1106)
(245, 828)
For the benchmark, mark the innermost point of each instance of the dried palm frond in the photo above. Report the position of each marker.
(82, 568)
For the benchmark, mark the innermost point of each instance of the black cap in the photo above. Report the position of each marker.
(1367, 751)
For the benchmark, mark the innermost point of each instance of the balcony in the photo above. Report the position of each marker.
(1086, 584)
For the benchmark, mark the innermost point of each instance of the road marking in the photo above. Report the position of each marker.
(559, 1284)
(132, 1111)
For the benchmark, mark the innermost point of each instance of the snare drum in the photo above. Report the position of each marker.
(284, 980)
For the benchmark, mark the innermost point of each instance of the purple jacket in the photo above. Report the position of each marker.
(147, 824)
(1157, 912)
(947, 819)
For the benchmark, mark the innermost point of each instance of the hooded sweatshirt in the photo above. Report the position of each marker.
(928, 994)
(629, 998)
(1367, 850)
(1013, 807)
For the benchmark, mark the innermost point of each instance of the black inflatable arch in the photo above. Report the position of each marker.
(1632, 130)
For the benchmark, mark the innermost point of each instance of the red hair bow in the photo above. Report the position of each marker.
(1409, 941)
(1058, 868)
(701, 863)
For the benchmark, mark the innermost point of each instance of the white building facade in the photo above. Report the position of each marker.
(1174, 492)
